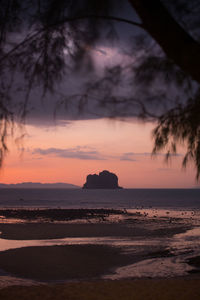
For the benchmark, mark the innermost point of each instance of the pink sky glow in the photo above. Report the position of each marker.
(68, 153)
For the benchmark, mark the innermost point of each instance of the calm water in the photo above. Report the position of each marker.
(78, 198)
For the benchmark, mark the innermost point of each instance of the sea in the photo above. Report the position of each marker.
(116, 199)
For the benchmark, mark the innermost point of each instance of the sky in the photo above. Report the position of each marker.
(71, 147)
(71, 151)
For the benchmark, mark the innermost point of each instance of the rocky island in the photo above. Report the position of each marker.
(105, 180)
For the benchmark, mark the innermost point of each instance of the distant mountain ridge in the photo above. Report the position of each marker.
(38, 185)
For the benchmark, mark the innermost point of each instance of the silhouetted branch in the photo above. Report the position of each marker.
(147, 85)
(180, 125)
(178, 44)
(66, 20)
(103, 17)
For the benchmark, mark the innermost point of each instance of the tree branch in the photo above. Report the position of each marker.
(177, 44)
(66, 20)
(112, 18)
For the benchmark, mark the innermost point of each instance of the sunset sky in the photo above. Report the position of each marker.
(68, 152)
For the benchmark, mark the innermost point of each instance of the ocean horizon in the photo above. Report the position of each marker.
(100, 198)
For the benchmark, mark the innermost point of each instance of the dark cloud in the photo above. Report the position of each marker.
(65, 102)
(78, 153)
(68, 103)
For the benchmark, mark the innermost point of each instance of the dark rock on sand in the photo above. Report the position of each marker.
(58, 214)
(105, 180)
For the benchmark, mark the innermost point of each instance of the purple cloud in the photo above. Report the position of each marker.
(70, 153)
(129, 156)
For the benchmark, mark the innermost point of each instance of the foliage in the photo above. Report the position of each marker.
(181, 125)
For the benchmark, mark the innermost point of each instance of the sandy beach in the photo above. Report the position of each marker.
(156, 289)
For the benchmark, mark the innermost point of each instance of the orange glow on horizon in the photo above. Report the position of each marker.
(109, 143)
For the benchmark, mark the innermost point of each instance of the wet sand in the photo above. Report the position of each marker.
(68, 262)
(135, 228)
(156, 289)
(63, 262)
(89, 262)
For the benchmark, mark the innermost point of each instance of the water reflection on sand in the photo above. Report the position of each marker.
(130, 244)
(153, 268)
(160, 256)
(180, 247)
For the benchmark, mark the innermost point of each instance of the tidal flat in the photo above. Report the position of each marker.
(113, 248)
